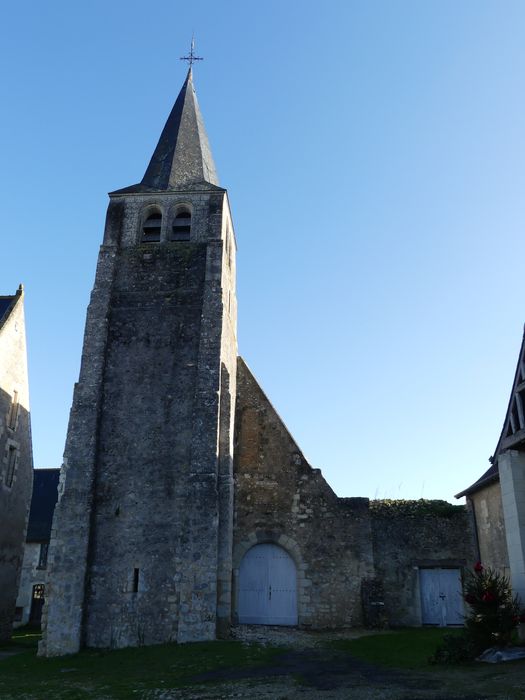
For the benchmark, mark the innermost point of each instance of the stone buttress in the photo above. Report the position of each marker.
(141, 545)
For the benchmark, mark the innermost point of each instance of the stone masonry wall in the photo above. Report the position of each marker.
(409, 535)
(15, 440)
(63, 614)
(279, 498)
(143, 456)
(228, 394)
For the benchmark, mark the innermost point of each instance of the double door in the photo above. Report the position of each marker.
(267, 587)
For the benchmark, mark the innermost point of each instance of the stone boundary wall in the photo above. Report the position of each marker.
(410, 535)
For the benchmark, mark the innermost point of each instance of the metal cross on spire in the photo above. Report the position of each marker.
(191, 57)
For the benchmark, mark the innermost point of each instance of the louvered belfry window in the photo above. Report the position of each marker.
(181, 226)
(151, 228)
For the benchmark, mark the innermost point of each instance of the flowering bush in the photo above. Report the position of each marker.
(494, 612)
(493, 616)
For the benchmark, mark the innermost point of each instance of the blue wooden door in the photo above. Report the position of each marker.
(267, 587)
(441, 597)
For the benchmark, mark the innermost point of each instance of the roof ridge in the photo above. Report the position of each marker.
(7, 309)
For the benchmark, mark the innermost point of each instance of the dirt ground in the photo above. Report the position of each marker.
(310, 671)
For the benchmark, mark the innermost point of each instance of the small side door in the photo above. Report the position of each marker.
(441, 597)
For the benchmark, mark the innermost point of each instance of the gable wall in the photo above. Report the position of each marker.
(279, 498)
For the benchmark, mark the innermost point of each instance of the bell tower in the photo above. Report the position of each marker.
(142, 534)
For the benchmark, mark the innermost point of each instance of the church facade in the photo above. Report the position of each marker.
(184, 504)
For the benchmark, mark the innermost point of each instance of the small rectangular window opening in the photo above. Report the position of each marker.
(42, 561)
(13, 413)
(136, 573)
(38, 591)
(11, 462)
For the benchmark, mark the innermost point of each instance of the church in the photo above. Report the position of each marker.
(184, 504)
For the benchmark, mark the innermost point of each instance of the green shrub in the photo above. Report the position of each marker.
(494, 612)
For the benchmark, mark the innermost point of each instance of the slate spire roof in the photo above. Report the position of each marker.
(183, 153)
(182, 158)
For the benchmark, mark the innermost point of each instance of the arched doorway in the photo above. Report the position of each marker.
(267, 587)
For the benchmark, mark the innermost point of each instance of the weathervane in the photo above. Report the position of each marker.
(191, 57)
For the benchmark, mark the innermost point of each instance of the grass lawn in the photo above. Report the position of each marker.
(410, 648)
(146, 672)
(115, 674)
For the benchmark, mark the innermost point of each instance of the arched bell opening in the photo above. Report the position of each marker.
(181, 228)
(151, 227)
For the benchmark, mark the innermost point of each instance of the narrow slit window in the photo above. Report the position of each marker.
(181, 228)
(13, 411)
(42, 560)
(136, 574)
(151, 228)
(11, 464)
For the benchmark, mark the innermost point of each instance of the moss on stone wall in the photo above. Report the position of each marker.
(416, 509)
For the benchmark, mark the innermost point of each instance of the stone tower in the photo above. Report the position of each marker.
(141, 544)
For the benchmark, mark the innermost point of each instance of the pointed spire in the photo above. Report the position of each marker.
(183, 153)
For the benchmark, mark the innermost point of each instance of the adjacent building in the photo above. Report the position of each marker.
(497, 499)
(16, 462)
(32, 588)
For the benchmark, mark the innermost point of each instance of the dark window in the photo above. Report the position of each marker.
(151, 228)
(38, 591)
(11, 463)
(37, 603)
(42, 559)
(18, 614)
(181, 228)
(13, 412)
(135, 580)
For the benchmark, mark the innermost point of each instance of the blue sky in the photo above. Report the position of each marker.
(374, 156)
